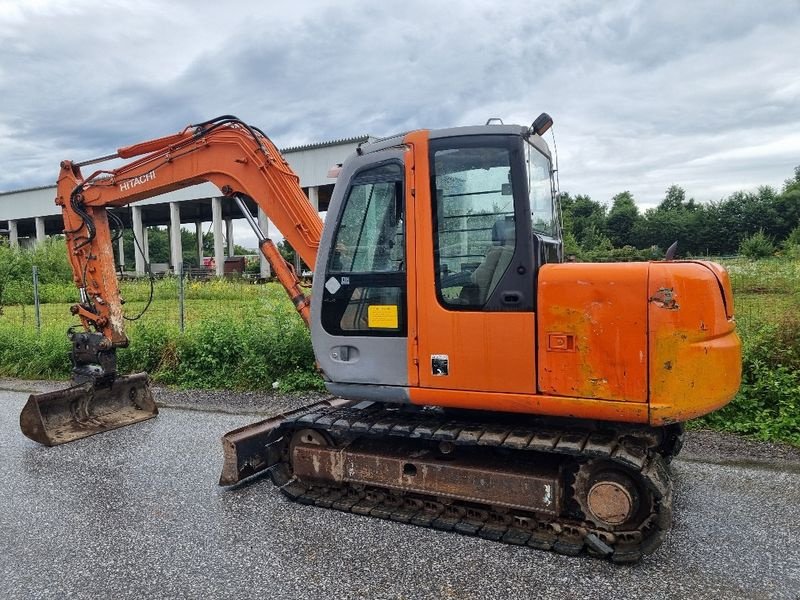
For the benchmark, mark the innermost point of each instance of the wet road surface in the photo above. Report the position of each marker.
(137, 513)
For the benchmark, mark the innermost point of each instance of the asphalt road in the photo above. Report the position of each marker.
(137, 513)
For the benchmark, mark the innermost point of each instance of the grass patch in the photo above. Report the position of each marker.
(237, 335)
(28, 355)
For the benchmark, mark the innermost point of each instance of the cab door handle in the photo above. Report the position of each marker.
(511, 297)
(344, 354)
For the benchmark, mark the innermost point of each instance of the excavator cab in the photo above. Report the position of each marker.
(442, 233)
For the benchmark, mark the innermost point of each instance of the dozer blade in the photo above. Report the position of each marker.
(82, 410)
(254, 448)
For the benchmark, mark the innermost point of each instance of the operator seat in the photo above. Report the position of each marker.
(487, 275)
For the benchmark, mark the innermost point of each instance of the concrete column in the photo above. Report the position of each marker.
(216, 216)
(13, 234)
(40, 235)
(121, 248)
(313, 197)
(138, 233)
(263, 223)
(198, 231)
(175, 246)
(229, 235)
(146, 245)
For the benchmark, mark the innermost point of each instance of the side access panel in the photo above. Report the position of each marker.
(592, 331)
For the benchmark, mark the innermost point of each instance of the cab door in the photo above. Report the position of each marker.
(359, 307)
(475, 271)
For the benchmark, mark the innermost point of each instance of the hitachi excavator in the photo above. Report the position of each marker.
(479, 384)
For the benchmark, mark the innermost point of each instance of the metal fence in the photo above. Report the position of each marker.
(179, 302)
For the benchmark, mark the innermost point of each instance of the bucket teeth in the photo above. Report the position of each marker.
(86, 409)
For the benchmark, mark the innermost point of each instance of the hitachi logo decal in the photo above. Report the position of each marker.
(134, 181)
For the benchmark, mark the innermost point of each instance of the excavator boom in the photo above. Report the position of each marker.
(244, 164)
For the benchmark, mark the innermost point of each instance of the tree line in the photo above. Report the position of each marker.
(759, 223)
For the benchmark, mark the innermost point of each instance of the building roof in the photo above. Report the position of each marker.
(33, 189)
(359, 139)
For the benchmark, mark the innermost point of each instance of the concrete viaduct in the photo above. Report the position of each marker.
(29, 216)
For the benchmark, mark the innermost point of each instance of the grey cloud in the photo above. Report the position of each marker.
(644, 94)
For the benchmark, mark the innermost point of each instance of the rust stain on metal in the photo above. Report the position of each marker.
(665, 298)
(462, 478)
(256, 447)
(610, 502)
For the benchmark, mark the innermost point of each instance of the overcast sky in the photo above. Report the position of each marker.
(644, 94)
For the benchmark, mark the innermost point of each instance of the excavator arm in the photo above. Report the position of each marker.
(240, 160)
(244, 164)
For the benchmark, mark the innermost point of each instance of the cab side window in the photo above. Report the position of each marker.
(365, 283)
(475, 224)
(370, 234)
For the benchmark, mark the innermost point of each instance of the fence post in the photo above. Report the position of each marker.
(36, 298)
(180, 297)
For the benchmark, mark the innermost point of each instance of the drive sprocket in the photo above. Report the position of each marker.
(611, 496)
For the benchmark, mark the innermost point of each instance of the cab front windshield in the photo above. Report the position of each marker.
(540, 189)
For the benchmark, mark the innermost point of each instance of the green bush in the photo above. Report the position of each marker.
(768, 403)
(793, 239)
(229, 352)
(237, 336)
(26, 354)
(225, 352)
(152, 348)
(758, 245)
(791, 245)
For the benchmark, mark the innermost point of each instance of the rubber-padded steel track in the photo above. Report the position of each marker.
(632, 450)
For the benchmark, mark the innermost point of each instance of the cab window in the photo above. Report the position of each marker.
(475, 234)
(365, 281)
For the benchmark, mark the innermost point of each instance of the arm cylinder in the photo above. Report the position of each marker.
(283, 271)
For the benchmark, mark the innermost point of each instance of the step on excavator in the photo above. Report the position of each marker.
(479, 384)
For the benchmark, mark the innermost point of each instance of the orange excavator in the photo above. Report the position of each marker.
(479, 383)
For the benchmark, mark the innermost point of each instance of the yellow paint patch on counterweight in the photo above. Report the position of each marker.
(382, 316)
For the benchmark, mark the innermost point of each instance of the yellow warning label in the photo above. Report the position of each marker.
(382, 316)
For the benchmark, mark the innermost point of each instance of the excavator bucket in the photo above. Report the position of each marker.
(82, 410)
